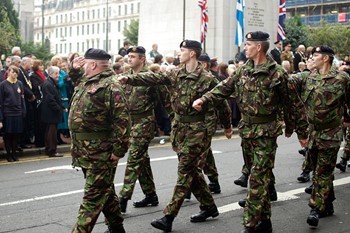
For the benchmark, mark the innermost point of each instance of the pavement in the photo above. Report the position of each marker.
(36, 153)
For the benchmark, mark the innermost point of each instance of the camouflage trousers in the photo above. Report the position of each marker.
(246, 171)
(346, 152)
(324, 161)
(138, 168)
(190, 146)
(307, 164)
(99, 195)
(209, 167)
(259, 154)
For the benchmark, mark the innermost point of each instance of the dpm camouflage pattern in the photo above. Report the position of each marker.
(326, 97)
(261, 93)
(142, 102)
(189, 139)
(99, 107)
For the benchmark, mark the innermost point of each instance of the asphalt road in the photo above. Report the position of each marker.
(42, 195)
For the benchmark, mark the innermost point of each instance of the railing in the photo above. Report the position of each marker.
(292, 3)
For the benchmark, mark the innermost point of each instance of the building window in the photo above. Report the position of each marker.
(93, 14)
(82, 46)
(61, 18)
(119, 44)
(65, 18)
(77, 30)
(138, 7)
(87, 44)
(56, 32)
(93, 29)
(56, 48)
(103, 28)
(78, 47)
(70, 31)
(61, 48)
(109, 27)
(65, 48)
(109, 44)
(98, 43)
(70, 47)
(65, 31)
(98, 13)
(37, 36)
(82, 30)
(49, 20)
(132, 8)
(78, 15)
(119, 26)
(124, 24)
(70, 17)
(82, 15)
(38, 22)
(88, 30)
(92, 44)
(126, 9)
(98, 28)
(61, 32)
(104, 12)
(56, 19)
(88, 14)
(119, 10)
(104, 44)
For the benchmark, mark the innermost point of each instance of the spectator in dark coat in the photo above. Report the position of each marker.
(52, 109)
(37, 78)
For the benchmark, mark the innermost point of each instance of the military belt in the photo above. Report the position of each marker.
(142, 115)
(259, 119)
(189, 119)
(329, 125)
(90, 136)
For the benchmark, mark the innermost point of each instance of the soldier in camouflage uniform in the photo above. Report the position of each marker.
(261, 90)
(346, 152)
(99, 122)
(189, 136)
(325, 95)
(142, 101)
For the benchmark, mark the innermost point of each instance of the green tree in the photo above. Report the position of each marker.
(9, 27)
(132, 32)
(336, 36)
(40, 51)
(297, 32)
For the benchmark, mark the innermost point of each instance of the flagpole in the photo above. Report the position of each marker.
(183, 20)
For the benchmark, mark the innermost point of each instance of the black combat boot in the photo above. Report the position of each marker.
(272, 192)
(308, 190)
(188, 195)
(303, 151)
(341, 165)
(214, 187)
(304, 177)
(329, 210)
(242, 202)
(150, 199)
(9, 157)
(204, 214)
(264, 226)
(164, 223)
(123, 202)
(242, 181)
(313, 217)
(115, 229)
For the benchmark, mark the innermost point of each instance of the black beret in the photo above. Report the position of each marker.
(191, 44)
(97, 54)
(204, 57)
(136, 49)
(257, 36)
(323, 49)
(277, 41)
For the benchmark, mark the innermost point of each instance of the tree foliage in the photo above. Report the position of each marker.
(297, 33)
(9, 27)
(336, 36)
(41, 52)
(132, 32)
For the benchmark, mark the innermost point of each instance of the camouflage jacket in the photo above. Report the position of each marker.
(184, 87)
(325, 97)
(141, 99)
(99, 121)
(261, 94)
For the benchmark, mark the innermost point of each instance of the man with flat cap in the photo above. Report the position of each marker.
(99, 123)
(189, 133)
(325, 96)
(260, 89)
(142, 101)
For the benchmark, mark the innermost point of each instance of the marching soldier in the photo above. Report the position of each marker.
(189, 134)
(99, 122)
(260, 88)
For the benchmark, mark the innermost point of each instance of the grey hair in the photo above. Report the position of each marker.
(52, 69)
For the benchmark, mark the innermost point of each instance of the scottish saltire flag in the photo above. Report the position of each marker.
(240, 22)
(204, 22)
(281, 35)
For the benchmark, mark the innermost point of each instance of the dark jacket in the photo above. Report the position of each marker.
(52, 107)
(37, 83)
(276, 55)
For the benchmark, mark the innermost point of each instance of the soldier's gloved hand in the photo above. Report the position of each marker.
(303, 142)
(123, 79)
(228, 133)
(197, 104)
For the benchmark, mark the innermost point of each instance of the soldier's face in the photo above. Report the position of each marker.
(185, 55)
(251, 49)
(135, 60)
(318, 60)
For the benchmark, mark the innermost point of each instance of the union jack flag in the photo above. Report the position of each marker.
(281, 35)
(204, 22)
